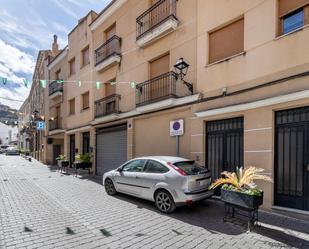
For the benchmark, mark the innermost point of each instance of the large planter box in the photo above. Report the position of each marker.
(241, 199)
(63, 163)
(82, 165)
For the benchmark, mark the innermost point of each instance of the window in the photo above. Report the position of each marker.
(227, 41)
(72, 106)
(155, 167)
(109, 88)
(85, 100)
(159, 66)
(72, 66)
(292, 15)
(110, 32)
(191, 167)
(293, 21)
(85, 56)
(134, 166)
(57, 75)
(86, 142)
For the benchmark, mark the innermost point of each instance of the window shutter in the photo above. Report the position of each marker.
(288, 6)
(226, 41)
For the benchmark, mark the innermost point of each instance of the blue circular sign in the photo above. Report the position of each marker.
(176, 126)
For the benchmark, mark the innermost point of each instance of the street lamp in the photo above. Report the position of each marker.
(181, 68)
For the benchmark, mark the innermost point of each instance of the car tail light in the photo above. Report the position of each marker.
(180, 171)
(189, 202)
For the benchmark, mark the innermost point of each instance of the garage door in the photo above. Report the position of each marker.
(292, 158)
(111, 148)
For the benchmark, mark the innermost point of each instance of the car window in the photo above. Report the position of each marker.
(155, 167)
(134, 166)
(191, 167)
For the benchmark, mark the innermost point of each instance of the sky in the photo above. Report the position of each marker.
(26, 26)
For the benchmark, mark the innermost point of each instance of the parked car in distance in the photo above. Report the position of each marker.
(3, 149)
(11, 151)
(167, 181)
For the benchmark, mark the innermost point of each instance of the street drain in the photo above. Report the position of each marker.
(139, 234)
(105, 232)
(5, 180)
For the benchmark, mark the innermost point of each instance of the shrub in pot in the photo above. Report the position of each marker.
(83, 161)
(238, 188)
(62, 162)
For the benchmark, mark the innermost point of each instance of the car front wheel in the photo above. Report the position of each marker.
(109, 187)
(164, 201)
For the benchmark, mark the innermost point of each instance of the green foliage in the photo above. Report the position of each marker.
(83, 158)
(248, 191)
(61, 158)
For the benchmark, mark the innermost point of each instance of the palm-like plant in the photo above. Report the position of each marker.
(243, 178)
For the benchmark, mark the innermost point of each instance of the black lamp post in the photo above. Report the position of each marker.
(181, 68)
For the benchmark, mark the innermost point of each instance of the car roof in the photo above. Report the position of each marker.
(165, 159)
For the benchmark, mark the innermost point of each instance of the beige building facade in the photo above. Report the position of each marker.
(243, 94)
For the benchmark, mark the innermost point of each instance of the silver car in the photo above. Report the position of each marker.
(11, 151)
(168, 181)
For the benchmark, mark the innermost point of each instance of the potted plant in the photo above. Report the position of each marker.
(83, 161)
(238, 188)
(62, 162)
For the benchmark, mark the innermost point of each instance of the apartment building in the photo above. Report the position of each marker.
(69, 95)
(252, 70)
(248, 69)
(237, 81)
(24, 118)
(55, 107)
(137, 43)
(37, 102)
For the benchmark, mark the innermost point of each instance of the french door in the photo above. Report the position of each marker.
(292, 158)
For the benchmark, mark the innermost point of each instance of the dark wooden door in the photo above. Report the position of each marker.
(292, 158)
(72, 149)
(56, 152)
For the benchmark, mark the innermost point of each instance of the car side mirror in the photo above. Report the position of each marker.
(120, 169)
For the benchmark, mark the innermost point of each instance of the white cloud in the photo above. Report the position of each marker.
(66, 9)
(13, 63)
(16, 60)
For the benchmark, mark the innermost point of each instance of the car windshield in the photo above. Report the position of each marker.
(191, 167)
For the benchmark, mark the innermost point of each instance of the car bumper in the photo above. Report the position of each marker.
(188, 198)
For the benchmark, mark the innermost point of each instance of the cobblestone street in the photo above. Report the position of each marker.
(41, 208)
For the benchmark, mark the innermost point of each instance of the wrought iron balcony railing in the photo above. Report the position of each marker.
(109, 48)
(55, 86)
(156, 89)
(154, 16)
(55, 124)
(107, 105)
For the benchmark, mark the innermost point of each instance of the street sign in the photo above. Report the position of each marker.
(40, 125)
(176, 128)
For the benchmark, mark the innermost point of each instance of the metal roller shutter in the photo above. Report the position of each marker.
(111, 148)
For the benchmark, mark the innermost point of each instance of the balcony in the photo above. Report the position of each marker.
(157, 21)
(55, 124)
(157, 89)
(108, 54)
(107, 105)
(55, 88)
